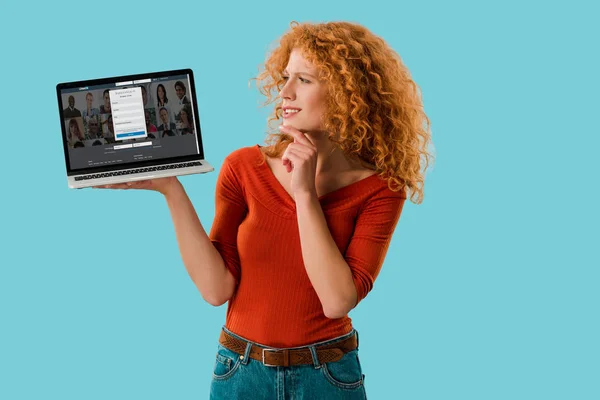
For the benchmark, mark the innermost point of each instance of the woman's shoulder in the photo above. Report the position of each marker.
(244, 154)
(240, 161)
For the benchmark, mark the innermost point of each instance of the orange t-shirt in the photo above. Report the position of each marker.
(255, 230)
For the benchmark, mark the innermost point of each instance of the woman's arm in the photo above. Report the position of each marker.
(326, 268)
(200, 257)
(342, 281)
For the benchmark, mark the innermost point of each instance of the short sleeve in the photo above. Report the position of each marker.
(230, 211)
(373, 232)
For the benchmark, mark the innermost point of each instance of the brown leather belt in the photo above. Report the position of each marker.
(288, 357)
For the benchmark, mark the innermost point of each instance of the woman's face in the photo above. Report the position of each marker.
(107, 101)
(74, 128)
(184, 116)
(302, 92)
(161, 93)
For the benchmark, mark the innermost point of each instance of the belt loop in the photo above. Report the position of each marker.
(247, 353)
(315, 358)
(286, 358)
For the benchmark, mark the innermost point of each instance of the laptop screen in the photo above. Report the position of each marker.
(146, 119)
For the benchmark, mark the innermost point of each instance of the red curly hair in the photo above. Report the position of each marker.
(374, 108)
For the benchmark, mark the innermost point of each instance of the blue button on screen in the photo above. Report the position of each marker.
(138, 133)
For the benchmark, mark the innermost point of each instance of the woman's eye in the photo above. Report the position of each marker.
(285, 78)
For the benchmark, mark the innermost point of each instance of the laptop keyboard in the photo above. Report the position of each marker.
(137, 171)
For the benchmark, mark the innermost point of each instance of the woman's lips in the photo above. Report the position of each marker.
(290, 115)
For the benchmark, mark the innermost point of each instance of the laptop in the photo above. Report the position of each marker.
(130, 128)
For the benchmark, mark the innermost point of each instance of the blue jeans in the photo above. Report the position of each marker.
(246, 378)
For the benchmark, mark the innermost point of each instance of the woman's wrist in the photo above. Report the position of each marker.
(172, 189)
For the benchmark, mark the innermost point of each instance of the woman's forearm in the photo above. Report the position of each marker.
(200, 257)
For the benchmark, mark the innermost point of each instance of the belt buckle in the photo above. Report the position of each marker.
(263, 357)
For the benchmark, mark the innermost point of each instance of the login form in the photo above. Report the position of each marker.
(128, 113)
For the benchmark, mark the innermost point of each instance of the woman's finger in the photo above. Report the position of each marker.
(301, 148)
(287, 160)
(127, 185)
(113, 186)
(303, 155)
(292, 147)
(292, 160)
(140, 184)
(297, 135)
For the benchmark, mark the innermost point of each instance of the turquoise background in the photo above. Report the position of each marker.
(490, 287)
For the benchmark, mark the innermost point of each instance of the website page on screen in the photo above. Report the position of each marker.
(129, 121)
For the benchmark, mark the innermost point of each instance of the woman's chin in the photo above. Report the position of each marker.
(302, 128)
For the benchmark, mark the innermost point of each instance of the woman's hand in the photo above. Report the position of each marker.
(300, 158)
(161, 185)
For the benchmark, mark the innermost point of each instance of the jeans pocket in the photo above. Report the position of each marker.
(346, 373)
(227, 363)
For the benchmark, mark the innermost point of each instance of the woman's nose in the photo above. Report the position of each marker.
(287, 92)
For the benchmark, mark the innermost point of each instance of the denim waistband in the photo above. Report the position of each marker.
(326, 342)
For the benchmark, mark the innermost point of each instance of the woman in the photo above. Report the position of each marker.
(161, 96)
(185, 117)
(75, 135)
(90, 110)
(303, 224)
(162, 101)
